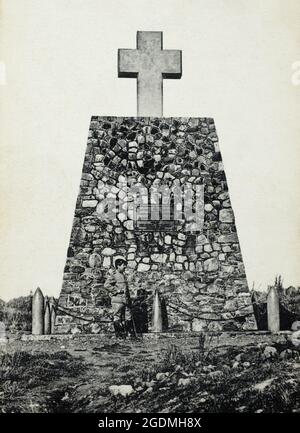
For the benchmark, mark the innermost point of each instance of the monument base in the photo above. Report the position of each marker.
(198, 271)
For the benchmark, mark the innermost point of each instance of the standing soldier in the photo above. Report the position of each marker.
(120, 299)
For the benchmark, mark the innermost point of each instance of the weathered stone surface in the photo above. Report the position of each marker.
(286, 354)
(47, 319)
(143, 267)
(38, 313)
(149, 63)
(199, 325)
(208, 207)
(106, 262)
(123, 390)
(228, 238)
(211, 265)
(53, 318)
(270, 352)
(95, 260)
(208, 248)
(89, 203)
(226, 216)
(182, 262)
(295, 325)
(295, 338)
(183, 382)
(157, 314)
(273, 310)
(108, 252)
(128, 225)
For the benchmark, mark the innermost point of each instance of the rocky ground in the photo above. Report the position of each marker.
(184, 374)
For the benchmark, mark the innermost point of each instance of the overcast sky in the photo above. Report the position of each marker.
(61, 68)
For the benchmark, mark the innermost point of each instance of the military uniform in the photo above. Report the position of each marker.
(120, 300)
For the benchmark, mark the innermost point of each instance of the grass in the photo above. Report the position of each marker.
(203, 379)
(22, 372)
(215, 385)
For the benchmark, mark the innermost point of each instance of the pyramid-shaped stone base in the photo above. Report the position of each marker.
(199, 271)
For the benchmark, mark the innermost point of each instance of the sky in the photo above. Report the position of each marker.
(58, 67)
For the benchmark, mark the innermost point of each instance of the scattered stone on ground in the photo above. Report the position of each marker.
(296, 326)
(270, 352)
(123, 390)
(295, 338)
(244, 374)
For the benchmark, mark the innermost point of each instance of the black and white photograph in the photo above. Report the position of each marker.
(150, 209)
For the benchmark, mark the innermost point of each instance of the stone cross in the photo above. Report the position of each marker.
(150, 64)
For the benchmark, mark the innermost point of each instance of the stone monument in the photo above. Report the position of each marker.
(3, 337)
(153, 191)
(47, 317)
(38, 312)
(157, 322)
(273, 309)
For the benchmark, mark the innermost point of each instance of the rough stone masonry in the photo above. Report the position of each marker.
(199, 273)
